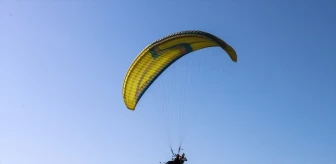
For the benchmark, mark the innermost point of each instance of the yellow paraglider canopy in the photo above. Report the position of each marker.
(158, 56)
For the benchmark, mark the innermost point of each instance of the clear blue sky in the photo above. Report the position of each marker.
(63, 62)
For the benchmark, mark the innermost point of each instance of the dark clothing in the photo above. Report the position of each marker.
(177, 160)
(174, 162)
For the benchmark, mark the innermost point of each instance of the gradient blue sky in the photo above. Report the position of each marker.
(63, 62)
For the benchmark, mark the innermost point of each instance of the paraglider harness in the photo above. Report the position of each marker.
(175, 158)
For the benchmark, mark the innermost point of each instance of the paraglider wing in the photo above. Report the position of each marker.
(158, 56)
